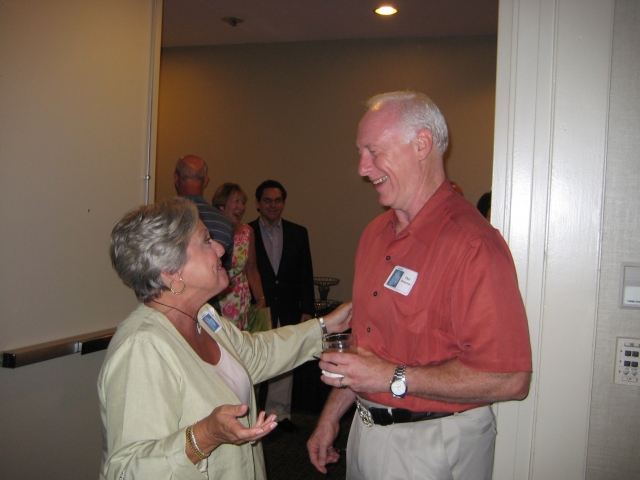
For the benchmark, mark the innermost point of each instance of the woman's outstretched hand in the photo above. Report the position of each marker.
(339, 320)
(223, 426)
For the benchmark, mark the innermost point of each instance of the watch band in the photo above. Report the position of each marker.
(323, 326)
(399, 378)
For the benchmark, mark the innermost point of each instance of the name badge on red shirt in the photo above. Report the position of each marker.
(401, 280)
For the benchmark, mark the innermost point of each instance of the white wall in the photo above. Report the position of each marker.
(566, 126)
(75, 111)
(614, 423)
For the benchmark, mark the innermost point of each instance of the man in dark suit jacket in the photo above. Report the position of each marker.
(284, 262)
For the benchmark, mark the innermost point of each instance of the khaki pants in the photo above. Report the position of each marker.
(458, 447)
(279, 394)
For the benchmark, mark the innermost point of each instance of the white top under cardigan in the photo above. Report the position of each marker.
(234, 375)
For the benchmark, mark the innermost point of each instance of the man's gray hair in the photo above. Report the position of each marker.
(416, 111)
(184, 170)
(151, 239)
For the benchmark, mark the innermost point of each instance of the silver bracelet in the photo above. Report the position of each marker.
(323, 326)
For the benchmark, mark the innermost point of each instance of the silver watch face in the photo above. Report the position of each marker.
(398, 387)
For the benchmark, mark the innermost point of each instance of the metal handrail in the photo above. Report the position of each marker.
(83, 344)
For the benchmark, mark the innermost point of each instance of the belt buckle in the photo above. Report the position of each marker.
(365, 414)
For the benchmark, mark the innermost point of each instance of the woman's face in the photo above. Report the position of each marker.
(234, 209)
(203, 270)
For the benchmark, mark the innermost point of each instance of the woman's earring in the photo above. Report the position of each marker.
(184, 286)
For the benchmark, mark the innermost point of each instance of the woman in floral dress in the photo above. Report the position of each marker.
(244, 278)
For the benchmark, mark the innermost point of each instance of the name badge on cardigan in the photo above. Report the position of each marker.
(209, 316)
(401, 280)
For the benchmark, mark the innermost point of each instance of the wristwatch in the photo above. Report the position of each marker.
(398, 383)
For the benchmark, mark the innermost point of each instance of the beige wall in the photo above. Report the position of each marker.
(75, 86)
(290, 111)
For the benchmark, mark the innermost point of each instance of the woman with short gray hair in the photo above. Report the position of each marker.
(176, 396)
(148, 240)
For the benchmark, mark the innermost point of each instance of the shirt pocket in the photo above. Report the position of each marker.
(412, 312)
(422, 312)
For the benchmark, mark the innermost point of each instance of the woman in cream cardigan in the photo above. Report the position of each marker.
(176, 387)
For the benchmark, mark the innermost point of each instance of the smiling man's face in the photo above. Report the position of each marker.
(270, 206)
(386, 159)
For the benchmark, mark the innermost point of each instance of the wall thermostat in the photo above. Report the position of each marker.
(630, 285)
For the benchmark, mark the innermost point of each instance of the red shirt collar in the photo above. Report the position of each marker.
(429, 212)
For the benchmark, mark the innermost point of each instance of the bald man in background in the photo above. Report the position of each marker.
(190, 179)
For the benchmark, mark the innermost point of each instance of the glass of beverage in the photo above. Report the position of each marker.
(341, 343)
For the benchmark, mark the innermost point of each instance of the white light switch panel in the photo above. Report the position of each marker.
(627, 359)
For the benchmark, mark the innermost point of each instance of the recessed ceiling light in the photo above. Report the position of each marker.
(386, 10)
(233, 21)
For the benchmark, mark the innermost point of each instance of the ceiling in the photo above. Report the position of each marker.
(199, 22)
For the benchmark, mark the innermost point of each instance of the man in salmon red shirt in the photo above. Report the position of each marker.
(437, 310)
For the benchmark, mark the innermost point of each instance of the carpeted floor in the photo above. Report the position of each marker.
(286, 454)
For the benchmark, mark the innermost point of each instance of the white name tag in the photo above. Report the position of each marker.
(209, 316)
(401, 280)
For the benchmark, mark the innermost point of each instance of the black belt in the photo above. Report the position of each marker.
(388, 416)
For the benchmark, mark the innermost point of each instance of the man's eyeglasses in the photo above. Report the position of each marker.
(270, 201)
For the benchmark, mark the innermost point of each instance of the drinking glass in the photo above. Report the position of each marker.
(341, 343)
